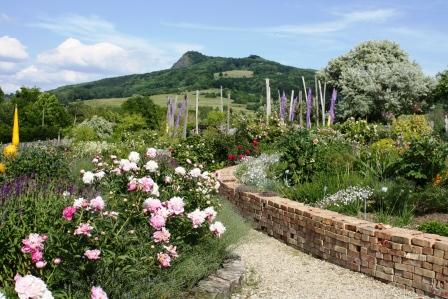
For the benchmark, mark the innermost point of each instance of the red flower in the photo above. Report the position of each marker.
(239, 147)
(255, 142)
(241, 157)
(247, 152)
(231, 157)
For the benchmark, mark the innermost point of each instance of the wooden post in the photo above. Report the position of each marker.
(228, 112)
(222, 102)
(268, 101)
(322, 102)
(316, 101)
(197, 111)
(290, 105)
(300, 109)
(43, 116)
(186, 118)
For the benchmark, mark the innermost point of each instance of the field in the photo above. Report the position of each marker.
(160, 99)
(235, 74)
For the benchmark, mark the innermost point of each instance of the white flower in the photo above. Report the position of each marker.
(384, 189)
(134, 157)
(151, 166)
(88, 177)
(95, 160)
(180, 170)
(100, 174)
(2, 296)
(31, 287)
(66, 193)
(79, 203)
(217, 229)
(151, 152)
(195, 172)
(155, 190)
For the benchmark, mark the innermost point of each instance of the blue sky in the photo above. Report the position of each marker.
(51, 43)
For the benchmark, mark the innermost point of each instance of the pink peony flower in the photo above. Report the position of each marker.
(68, 213)
(176, 205)
(132, 185)
(80, 203)
(41, 264)
(57, 261)
(36, 256)
(197, 217)
(172, 251)
(164, 260)
(30, 287)
(164, 212)
(97, 293)
(93, 254)
(97, 203)
(151, 166)
(33, 242)
(127, 165)
(117, 171)
(134, 157)
(152, 204)
(157, 221)
(195, 172)
(151, 152)
(210, 214)
(145, 184)
(217, 229)
(161, 236)
(83, 229)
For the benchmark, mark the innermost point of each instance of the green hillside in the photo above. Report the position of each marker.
(196, 71)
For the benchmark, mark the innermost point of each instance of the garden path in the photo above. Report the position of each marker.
(281, 272)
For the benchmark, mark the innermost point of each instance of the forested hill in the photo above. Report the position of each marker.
(243, 76)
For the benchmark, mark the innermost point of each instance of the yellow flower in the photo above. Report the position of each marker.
(10, 151)
(437, 180)
(2, 168)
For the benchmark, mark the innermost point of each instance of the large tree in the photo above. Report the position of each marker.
(2, 95)
(144, 106)
(441, 89)
(376, 80)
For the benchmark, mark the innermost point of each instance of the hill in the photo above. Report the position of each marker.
(243, 76)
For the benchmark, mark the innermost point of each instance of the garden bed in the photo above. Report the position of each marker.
(406, 258)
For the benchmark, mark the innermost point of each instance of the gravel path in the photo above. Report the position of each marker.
(281, 272)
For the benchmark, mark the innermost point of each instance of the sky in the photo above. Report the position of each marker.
(50, 43)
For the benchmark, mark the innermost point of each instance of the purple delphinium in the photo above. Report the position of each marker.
(283, 106)
(292, 113)
(309, 106)
(333, 106)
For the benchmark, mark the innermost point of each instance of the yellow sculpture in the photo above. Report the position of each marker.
(2, 168)
(15, 128)
(10, 151)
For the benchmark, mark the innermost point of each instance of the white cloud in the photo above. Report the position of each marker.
(7, 67)
(99, 57)
(344, 21)
(11, 49)
(34, 75)
(5, 18)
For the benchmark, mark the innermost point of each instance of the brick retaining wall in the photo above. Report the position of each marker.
(406, 258)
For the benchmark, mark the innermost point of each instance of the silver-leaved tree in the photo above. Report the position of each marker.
(376, 80)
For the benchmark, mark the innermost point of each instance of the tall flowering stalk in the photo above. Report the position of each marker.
(180, 112)
(332, 106)
(309, 106)
(282, 106)
(292, 113)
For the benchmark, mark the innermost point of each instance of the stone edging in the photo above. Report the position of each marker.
(223, 283)
(406, 258)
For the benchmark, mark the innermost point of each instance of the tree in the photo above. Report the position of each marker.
(376, 80)
(2, 95)
(144, 106)
(441, 89)
(48, 111)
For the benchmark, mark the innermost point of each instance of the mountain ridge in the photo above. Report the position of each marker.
(192, 71)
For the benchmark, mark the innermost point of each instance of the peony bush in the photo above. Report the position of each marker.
(146, 211)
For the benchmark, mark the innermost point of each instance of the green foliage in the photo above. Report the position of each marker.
(129, 124)
(422, 161)
(83, 133)
(377, 79)
(194, 71)
(411, 127)
(378, 159)
(215, 119)
(440, 93)
(42, 161)
(103, 129)
(393, 197)
(358, 130)
(434, 227)
(432, 199)
(145, 107)
(46, 110)
(2, 95)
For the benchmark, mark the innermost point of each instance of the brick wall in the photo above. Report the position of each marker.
(406, 258)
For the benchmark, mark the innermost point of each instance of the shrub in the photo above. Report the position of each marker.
(256, 171)
(41, 161)
(434, 227)
(411, 127)
(83, 133)
(358, 130)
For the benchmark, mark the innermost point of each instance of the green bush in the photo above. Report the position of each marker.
(359, 130)
(42, 161)
(83, 133)
(411, 127)
(434, 227)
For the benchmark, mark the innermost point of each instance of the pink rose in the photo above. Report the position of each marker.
(164, 260)
(157, 221)
(171, 251)
(152, 205)
(132, 185)
(93, 254)
(68, 213)
(151, 152)
(83, 229)
(97, 293)
(210, 214)
(197, 217)
(176, 205)
(161, 236)
(97, 203)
